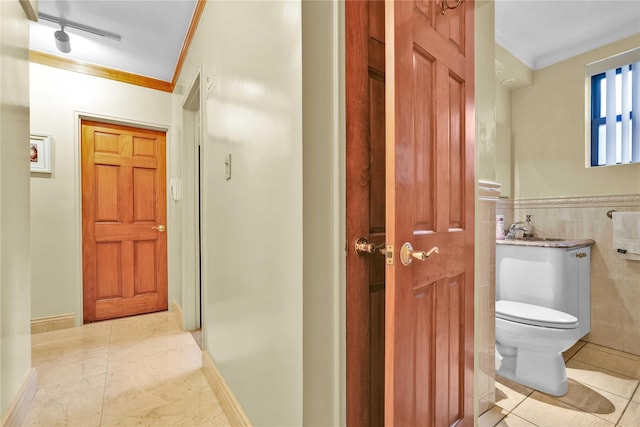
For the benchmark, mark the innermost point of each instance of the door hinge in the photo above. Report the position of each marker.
(389, 254)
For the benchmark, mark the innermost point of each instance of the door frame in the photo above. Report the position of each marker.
(78, 116)
(193, 206)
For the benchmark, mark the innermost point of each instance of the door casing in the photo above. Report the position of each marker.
(193, 191)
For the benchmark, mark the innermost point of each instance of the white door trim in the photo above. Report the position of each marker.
(193, 272)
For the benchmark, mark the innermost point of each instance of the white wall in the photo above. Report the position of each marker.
(15, 259)
(252, 271)
(57, 96)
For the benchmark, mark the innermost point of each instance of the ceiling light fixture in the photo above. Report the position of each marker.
(62, 39)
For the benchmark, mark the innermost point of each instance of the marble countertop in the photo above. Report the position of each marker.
(548, 242)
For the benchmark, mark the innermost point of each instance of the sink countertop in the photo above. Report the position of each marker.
(548, 242)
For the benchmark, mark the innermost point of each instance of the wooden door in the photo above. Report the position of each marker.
(124, 243)
(365, 201)
(430, 203)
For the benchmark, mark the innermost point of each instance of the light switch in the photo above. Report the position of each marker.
(175, 188)
(227, 166)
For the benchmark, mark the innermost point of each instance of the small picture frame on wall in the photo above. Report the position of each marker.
(40, 153)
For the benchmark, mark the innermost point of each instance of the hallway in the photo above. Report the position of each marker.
(139, 370)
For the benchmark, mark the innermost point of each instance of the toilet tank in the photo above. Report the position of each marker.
(553, 277)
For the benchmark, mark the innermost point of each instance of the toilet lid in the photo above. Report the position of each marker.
(535, 315)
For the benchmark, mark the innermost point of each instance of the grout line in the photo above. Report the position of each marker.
(624, 410)
(106, 373)
(616, 352)
(584, 344)
(510, 412)
(605, 371)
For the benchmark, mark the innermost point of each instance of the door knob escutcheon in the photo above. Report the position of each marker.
(407, 254)
(160, 228)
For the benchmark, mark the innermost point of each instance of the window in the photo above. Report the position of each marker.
(614, 83)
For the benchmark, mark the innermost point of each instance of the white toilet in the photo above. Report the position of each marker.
(539, 313)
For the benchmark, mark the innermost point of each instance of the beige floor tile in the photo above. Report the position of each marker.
(78, 402)
(600, 403)
(491, 417)
(151, 344)
(609, 360)
(613, 351)
(573, 350)
(636, 396)
(141, 388)
(514, 421)
(61, 371)
(149, 324)
(631, 417)
(545, 411)
(160, 386)
(200, 410)
(68, 351)
(141, 370)
(601, 378)
(509, 393)
(97, 330)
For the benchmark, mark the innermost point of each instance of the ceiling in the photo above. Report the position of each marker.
(152, 33)
(542, 32)
(537, 32)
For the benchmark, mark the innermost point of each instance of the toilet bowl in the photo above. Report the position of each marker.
(531, 339)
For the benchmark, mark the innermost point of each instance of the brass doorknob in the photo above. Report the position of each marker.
(160, 228)
(363, 247)
(407, 253)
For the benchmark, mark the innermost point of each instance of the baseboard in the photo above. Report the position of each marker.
(53, 323)
(177, 312)
(230, 405)
(18, 410)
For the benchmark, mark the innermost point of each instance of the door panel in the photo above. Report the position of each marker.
(123, 198)
(430, 202)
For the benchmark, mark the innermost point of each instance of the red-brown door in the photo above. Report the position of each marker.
(365, 201)
(430, 182)
(430, 204)
(124, 243)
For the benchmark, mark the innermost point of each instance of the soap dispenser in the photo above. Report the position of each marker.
(528, 223)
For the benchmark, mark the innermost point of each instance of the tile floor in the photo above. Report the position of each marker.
(145, 371)
(603, 391)
(141, 371)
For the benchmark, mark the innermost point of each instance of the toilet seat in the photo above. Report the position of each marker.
(535, 315)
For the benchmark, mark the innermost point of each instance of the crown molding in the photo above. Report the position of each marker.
(98, 71)
(197, 13)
